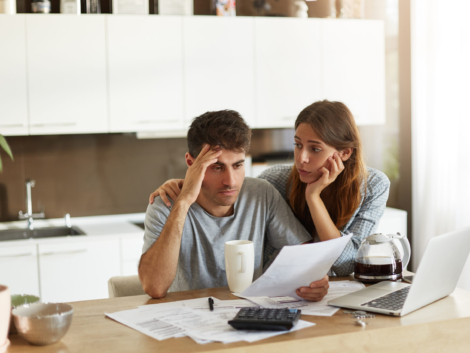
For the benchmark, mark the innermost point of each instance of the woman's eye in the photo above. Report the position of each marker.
(297, 145)
(314, 149)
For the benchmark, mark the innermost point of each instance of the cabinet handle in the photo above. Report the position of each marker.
(154, 121)
(54, 124)
(63, 252)
(17, 255)
(11, 125)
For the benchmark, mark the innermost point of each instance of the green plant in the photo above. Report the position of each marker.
(6, 148)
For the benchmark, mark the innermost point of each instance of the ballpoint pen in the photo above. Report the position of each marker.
(211, 304)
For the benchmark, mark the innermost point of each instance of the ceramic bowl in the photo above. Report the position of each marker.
(43, 323)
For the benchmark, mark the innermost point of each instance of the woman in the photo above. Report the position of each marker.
(329, 188)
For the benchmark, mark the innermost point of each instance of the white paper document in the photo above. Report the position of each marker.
(321, 308)
(297, 266)
(202, 326)
(337, 289)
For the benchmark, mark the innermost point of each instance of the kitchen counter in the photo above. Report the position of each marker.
(94, 226)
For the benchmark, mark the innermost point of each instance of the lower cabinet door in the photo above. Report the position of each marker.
(131, 253)
(77, 270)
(19, 269)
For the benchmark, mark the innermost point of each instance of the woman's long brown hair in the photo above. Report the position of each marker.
(334, 124)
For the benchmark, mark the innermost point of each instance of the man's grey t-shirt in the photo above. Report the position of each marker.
(258, 212)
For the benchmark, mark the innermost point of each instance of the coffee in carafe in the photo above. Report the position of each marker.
(382, 257)
(372, 269)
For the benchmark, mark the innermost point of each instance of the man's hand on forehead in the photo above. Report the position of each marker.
(196, 171)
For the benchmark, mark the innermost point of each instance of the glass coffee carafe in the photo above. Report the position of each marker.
(382, 257)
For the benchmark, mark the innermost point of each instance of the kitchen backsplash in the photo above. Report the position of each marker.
(98, 174)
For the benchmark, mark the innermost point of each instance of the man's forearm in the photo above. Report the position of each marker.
(158, 265)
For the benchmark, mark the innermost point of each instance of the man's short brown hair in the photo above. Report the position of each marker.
(224, 128)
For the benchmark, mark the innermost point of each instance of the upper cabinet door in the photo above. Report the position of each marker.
(13, 101)
(288, 70)
(145, 73)
(354, 67)
(219, 70)
(66, 74)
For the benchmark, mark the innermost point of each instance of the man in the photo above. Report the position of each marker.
(184, 244)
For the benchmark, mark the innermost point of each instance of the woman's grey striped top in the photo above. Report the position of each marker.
(362, 224)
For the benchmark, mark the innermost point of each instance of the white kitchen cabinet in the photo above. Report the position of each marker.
(13, 94)
(218, 65)
(354, 67)
(288, 69)
(145, 73)
(131, 251)
(19, 268)
(78, 270)
(66, 64)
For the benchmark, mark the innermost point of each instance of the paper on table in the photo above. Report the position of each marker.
(202, 326)
(297, 266)
(209, 326)
(147, 323)
(337, 289)
(321, 308)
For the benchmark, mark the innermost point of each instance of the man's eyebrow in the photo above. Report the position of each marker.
(238, 162)
(223, 164)
(311, 141)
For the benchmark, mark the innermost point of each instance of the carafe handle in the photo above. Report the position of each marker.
(407, 249)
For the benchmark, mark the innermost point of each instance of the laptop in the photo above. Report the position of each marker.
(436, 277)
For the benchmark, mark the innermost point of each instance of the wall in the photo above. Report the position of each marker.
(87, 175)
(99, 174)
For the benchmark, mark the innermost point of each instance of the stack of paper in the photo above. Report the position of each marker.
(194, 319)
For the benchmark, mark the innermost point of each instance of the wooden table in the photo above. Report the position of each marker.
(443, 326)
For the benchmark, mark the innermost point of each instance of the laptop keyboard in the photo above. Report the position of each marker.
(393, 301)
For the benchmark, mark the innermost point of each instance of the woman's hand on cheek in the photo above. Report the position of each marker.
(335, 167)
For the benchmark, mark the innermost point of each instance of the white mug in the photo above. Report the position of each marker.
(239, 264)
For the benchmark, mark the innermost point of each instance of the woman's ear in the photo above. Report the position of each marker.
(345, 154)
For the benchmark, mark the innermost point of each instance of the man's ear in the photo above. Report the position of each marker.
(189, 159)
(345, 154)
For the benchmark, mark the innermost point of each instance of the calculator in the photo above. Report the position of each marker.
(265, 319)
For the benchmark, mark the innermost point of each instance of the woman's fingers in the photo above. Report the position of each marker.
(165, 198)
(153, 195)
(334, 166)
(339, 162)
(175, 191)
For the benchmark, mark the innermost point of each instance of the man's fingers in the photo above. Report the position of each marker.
(207, 150)
(312, 295)
(208, 159)
(321, 283)
(153, 195)
(204, 150)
